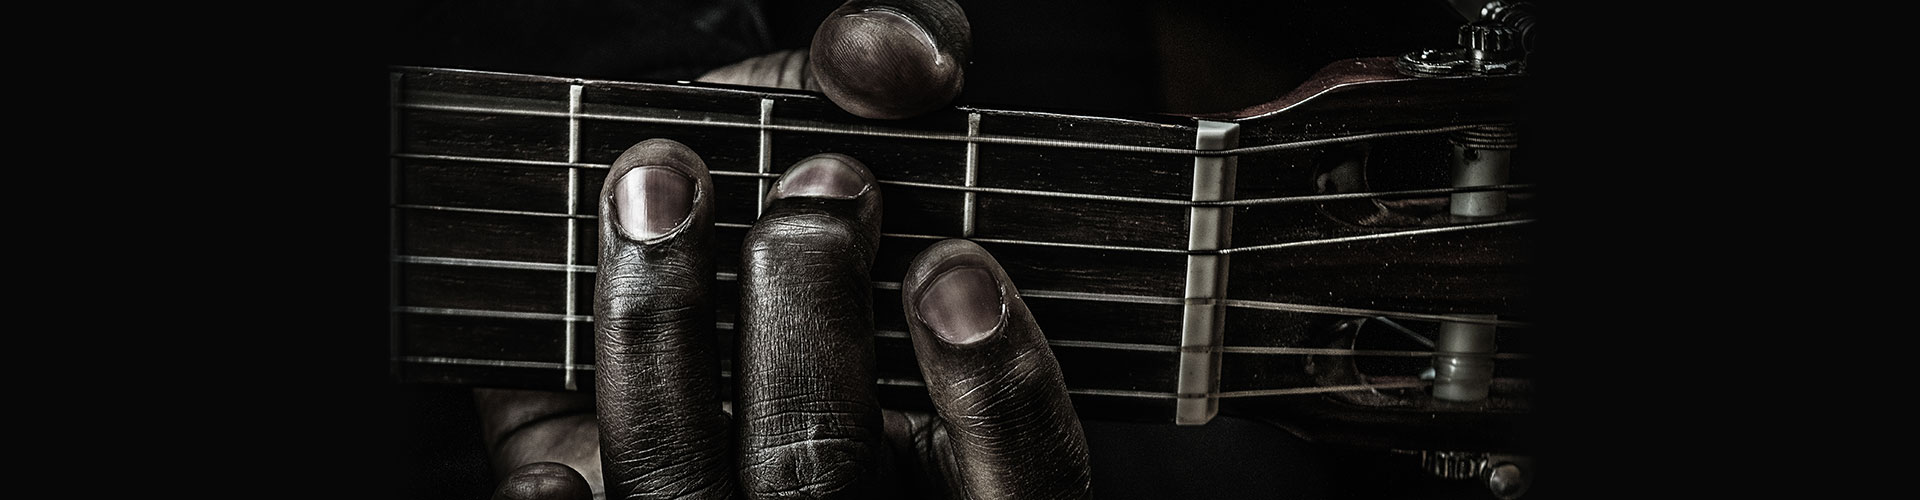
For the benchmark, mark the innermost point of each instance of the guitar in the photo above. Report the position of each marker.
(1300, 262)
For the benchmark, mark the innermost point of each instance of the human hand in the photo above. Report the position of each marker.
(805, 421)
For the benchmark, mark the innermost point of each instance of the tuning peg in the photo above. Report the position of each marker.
(1486, 48)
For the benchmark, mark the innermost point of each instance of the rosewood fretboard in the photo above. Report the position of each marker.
(1283, 259)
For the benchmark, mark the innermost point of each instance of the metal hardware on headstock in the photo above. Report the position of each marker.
(1462, 361)
(1506, 476)
(1482, 156)
(1487, 47)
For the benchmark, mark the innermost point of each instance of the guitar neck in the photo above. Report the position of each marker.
(1175, 261)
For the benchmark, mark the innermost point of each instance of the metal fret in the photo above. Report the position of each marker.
(1203, 322)
(766, 155)
(573, 208)
(973, 168)
(1210, 209)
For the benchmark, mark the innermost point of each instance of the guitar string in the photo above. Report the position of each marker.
(903, 382)
(1089, 246)
(708, 121)
(762, 94)
(1050, 294)
(1511, 188)
(1084, 145)
(1095, 344)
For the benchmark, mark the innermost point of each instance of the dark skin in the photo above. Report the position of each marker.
(804, 422)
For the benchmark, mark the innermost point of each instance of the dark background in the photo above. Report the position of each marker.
(1106, 56)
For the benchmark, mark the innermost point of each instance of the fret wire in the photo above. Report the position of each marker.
(766, 154)
(1358, 312)
(1039, 193)
(1392, 234)
(573, 209)
(973, 167)
(1320, 390)
(987, 139)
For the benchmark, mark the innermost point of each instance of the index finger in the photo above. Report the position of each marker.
(662, 429)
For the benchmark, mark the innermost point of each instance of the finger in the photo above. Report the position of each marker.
(663, 432)
(891, 58)
(785, 69)
(523, 427)
(807, 418)
(1010, 429)
(543, 481)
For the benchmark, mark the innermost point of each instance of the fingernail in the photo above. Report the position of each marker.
(962, 305)
(651, 201)
(822, 177)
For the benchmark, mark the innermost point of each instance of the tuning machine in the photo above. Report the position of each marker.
(1489, 46)
(1506, 476)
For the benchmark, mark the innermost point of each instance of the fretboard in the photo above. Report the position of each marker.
(1174, 262)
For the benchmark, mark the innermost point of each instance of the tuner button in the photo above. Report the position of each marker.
(1487, 36)
(1507, 481)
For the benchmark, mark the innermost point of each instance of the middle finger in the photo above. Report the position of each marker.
(806, 416)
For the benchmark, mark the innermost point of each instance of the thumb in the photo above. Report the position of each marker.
(886, 59)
